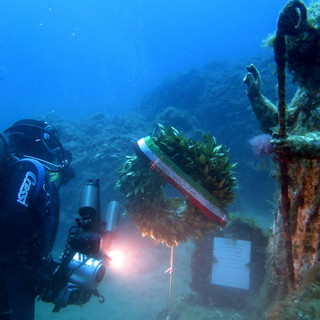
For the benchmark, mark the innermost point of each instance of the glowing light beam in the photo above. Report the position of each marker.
(117, 258)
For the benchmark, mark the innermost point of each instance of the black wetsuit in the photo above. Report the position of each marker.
(29, 215)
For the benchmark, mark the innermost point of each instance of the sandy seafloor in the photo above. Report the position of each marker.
(139, 293)
(139, 289)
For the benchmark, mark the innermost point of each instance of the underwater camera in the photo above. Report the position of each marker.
(75, 278)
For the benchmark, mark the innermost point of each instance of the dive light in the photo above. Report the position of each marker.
(82, 264)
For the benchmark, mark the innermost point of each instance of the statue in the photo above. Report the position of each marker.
(295, 143)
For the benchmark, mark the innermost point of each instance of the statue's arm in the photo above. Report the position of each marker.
(265, 111)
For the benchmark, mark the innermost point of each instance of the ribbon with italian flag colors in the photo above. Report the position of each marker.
(163, 166)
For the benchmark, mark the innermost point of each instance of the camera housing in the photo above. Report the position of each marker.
(75, 278)
(86, 272)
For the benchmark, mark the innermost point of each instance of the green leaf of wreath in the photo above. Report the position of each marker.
(171, 220)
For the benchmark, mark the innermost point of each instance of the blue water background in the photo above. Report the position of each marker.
(74, 57)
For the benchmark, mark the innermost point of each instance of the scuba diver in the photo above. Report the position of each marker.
(33, 166)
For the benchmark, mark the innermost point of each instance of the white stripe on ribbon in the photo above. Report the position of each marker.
(180, 181)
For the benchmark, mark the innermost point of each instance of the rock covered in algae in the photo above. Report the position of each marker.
(302, 304)
(98, 144)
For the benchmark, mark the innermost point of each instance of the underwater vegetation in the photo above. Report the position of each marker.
(218, 103)
(99, 144)
(219, 106)
(302, 304)
(172, 219)
(171, 116)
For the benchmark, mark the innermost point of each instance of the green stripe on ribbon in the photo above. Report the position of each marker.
(199, 196)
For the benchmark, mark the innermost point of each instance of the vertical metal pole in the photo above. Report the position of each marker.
(280, 57)
(170, 271)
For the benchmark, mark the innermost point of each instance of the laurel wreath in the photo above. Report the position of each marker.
(169, 219)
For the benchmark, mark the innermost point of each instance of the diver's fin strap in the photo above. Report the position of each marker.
(199, 196)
